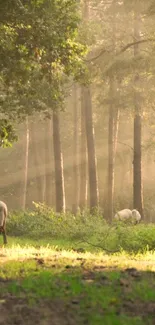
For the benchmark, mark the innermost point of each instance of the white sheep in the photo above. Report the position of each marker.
(3, 216)
(136, 215)
(128, 215)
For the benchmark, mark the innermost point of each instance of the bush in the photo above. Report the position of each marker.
(84, 228)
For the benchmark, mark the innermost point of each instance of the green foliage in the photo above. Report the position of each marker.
(7, 134)
(85, 230)
(38, 49)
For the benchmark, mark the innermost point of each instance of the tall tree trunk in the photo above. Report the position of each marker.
(92, 168)
(83, 145)
(26, 164)
(85, 10)
(83, 158)
(42, 162)
(48, 162)
(111, 153)
(116, 128)
(113, 126)
(38, 159)
(75, 152)
(58, 161)
(114, 116)
(137, 161)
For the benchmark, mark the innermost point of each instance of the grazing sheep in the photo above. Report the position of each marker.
(128, 215)
(136, 215)
(3, 216)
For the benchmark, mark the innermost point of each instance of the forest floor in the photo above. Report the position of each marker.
(51, 286)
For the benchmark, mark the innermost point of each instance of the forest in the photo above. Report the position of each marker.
(77, 167)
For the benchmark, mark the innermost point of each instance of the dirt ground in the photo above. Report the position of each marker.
(18, 311)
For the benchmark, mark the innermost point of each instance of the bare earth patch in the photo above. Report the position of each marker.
(14, 310)
(94, 289)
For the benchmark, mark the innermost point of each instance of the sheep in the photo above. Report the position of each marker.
(3, 216)
(128, 215)
(136, 216)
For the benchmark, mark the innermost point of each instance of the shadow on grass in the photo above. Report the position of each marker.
(41, 292)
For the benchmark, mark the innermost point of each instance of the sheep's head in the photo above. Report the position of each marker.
(136, 216)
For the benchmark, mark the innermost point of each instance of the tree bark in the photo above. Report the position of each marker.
(85, 10)
(137, 161)
(113, 126)
(83, 146)
(92, 166)
(26, 164)
(111, 154)
(48, 162)
(75, 153)
(38, 158)
(58, 161)
(83, 158)
(116, 129)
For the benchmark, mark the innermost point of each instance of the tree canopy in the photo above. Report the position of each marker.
(38, 49)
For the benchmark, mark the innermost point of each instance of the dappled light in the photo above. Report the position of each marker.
(83, 287)
(77, 162)
(54, 255)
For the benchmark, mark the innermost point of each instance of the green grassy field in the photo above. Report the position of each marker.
(41, 283)
(62, 270)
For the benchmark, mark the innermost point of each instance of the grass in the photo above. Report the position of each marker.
(58, 269)
(91, 288)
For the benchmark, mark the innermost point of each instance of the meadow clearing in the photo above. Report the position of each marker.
(80, 273)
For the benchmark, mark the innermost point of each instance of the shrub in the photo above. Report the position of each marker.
(43, 222)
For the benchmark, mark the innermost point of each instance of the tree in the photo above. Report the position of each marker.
(26, 164)
(38, 50)
(75, 152)
(137, 162)
(117, 63)
(58, 162)
(92, 168)
(89, 128)
(113, 122)
(38, 159)
(48, 162)
(83, 156)
(110, 184)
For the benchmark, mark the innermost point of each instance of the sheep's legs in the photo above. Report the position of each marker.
(2, 230)
(4, 237)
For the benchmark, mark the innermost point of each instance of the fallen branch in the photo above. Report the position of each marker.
(98, 246)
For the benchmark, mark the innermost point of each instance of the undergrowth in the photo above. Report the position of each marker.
(83, 230)
(58, 269)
